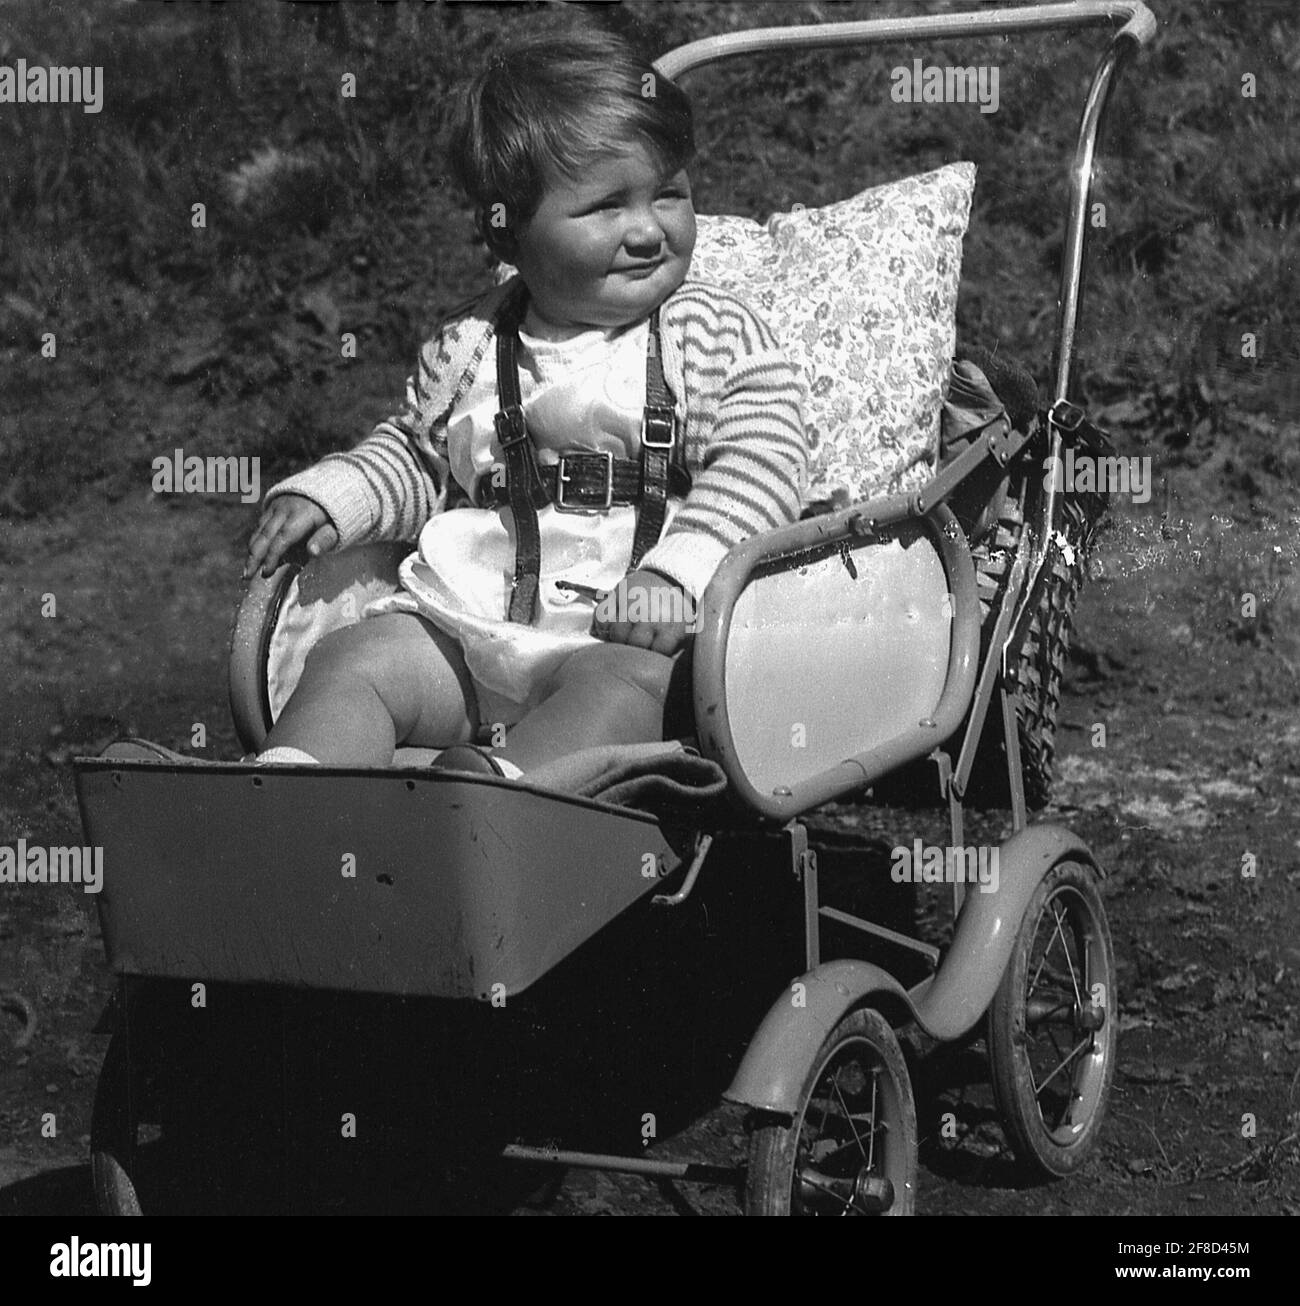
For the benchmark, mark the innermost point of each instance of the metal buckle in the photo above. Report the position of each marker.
(1066, 416)
(561, 480)
(510, 426)
(658, 417)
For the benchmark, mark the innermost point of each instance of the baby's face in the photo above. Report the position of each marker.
(607, 248)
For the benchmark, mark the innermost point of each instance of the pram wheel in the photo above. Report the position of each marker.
(851, 1146)
(1037, 671)
(179, 1123)
(1051, 1026)
(112, 1135)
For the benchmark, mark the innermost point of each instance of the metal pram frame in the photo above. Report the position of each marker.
(848, 1009)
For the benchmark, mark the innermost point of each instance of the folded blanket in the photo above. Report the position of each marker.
(970, 405)
(1009, 382)
(668, 780)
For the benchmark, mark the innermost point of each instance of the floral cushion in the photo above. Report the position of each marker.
(863, 295)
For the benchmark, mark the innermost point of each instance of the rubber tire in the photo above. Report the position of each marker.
(1038, 673)
(1032, 1143)
(110, 1128)
(993, 556)
(774, 1144)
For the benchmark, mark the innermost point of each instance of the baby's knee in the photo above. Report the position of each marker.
(641, 668)
(364, 651)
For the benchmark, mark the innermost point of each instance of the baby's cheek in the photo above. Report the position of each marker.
(595, 251)
(686, 238)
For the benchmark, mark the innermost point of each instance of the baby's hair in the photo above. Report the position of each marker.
(553, 103)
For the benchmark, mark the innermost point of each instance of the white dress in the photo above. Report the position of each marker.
(581, 390)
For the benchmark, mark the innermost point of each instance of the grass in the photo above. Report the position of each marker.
(325, 213)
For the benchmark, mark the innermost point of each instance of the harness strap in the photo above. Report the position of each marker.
(661, 451)
(524, 483)
(658, 445)
(586, 481)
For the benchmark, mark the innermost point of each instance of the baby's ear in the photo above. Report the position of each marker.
(495, 228)
(501, 244)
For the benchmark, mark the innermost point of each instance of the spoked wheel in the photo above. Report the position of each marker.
(182, 1121)
(851, 1147)
(1051, 1027)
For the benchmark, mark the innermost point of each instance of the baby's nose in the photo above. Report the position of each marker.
(644, 234)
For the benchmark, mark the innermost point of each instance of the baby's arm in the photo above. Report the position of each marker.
(750, 464)
(384, 489)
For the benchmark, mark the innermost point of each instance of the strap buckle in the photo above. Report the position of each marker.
(1066, 416)
(562, 479)
(510, 426)
(658, 427)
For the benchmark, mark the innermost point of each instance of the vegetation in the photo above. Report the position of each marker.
(327, 214)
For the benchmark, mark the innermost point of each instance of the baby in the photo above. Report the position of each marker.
(579, 449)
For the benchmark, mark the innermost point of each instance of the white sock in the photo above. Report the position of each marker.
(284, 754)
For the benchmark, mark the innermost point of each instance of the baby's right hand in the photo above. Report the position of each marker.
(287, 519)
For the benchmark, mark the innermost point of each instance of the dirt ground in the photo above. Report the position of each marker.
(1201, 765)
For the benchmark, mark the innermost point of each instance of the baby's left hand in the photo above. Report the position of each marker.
(644, 595)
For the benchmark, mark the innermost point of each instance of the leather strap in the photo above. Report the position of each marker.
(527, 493)
(658, 446)
(591, 481)
(527, 489)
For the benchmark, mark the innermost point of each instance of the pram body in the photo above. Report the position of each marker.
(443, 887)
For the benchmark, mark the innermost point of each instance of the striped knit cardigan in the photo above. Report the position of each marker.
(737, 399)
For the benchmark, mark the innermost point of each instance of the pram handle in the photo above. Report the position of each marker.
(1138, 29)
(1139, 25)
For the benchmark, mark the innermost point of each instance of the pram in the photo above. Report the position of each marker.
(450, 890)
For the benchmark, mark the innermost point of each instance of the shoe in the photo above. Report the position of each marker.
(466, 757)
(142, 750)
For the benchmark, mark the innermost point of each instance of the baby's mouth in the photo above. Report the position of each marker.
(643, 269)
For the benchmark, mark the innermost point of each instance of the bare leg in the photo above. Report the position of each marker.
(365, 689)
(606, 694)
